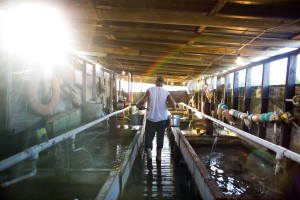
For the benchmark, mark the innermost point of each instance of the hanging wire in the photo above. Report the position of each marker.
(123, 68)
(248, 43)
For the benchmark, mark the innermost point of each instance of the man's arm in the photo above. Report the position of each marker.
(143, 100)
(171, 101)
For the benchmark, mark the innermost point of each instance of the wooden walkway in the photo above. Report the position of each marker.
(166, 181)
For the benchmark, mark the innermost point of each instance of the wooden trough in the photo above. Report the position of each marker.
(81, 183)
(207, 186)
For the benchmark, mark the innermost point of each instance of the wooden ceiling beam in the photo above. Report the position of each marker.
(203, 49)
(123, 33)
(202, 57)
(153, 64)
(140, 69)
(160, 60)
(216, 8)
(158, 5)
(94, 51)
(279, 10)
(191, 20)
(145, 66)
(185, 56)
(162, 36)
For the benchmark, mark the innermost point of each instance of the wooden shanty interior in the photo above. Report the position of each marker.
(181, 39)
(193, 43)
(178, 39)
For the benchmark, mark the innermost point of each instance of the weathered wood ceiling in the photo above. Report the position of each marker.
(181, 39)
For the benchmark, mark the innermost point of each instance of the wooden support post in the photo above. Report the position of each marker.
(264, 99)
(247, 94)
(94, 87)
(235, 91)
(206, 107)
(112, 124)
(83, 94)
(289, 94)
(5, 91)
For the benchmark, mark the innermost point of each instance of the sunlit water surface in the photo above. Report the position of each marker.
(238, 172)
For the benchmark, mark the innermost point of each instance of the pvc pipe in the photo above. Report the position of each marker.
(73, 138)
(31, 174)
(279, 150)
(8, 162)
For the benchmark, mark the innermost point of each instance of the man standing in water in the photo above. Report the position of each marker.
(156, 117)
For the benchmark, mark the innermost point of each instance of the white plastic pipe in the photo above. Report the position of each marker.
(16, 180)
(8, 162)
(279, 150)
(33, 172)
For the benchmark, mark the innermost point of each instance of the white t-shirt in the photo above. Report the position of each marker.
(157, 104)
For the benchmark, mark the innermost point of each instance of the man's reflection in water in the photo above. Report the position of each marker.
(159, 179)
(149, 183)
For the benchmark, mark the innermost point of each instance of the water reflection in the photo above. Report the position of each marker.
(160, 185)
(105, 151)
(214, 144)
(149, 183)
(237, 172)
(63, 171)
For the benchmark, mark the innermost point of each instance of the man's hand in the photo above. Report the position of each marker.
(142, 108)
(175, 105)
(137, 105)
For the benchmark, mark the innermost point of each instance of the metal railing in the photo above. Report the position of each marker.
(280, 151)
(33, 152)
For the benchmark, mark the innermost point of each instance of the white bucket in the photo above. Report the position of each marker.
(133, 109)
(174, 120)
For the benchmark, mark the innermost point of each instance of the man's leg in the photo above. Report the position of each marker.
(161, 127)
(149, 136)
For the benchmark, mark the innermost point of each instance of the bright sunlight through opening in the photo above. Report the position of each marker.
(36, 32)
